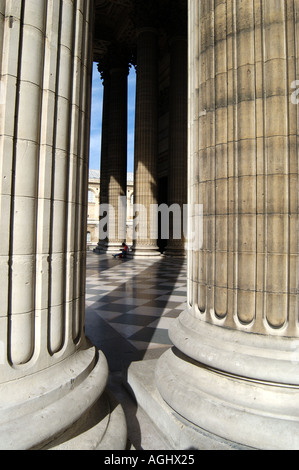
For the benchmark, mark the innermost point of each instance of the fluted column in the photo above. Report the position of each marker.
(104, 157)
(146, 142)
(177, 174)
(117, 149)
(52, 381)
(234, 370)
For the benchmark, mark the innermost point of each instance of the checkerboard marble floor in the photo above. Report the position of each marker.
(130, 305)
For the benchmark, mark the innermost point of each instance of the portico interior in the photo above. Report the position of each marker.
(216, 125)
(152, 37)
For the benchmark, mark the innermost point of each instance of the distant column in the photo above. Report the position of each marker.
(105, 74)
(52, 382)
(177, 161)
(146, 143)
(117, 149)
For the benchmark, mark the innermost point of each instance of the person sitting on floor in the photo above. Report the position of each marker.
(123, 253)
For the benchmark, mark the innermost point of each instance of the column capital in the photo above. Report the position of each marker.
(147, 29)
(103, 68)
(117, 57)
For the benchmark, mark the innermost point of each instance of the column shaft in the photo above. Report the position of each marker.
(177, 175)
(146, 142)
(237, 343)
(50, 377)
(117, 156)
(44, 169)
(102, 245)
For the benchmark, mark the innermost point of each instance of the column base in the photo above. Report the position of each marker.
(249, 413)
(109, 248)
(65, 406)
(175, 250)
(175, 253)
(100, 248)
(103, 427)
(174, 430)
(145, 251)
(113, 248)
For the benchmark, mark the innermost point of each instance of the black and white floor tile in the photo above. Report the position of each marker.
(130, 305)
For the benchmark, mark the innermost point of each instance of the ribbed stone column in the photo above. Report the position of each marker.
(102, 244)
(52, 381)
(146, 143)
(177, 175)
(234, 370)
(117, 149)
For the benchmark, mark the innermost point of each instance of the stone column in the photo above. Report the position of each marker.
(117, 148)
(177, 174)
(233, 373)
(146, 143)
(52, 381)
(102, 245)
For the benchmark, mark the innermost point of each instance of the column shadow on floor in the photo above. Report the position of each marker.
(128, 303)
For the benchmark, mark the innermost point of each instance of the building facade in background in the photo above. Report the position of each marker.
(93, 216)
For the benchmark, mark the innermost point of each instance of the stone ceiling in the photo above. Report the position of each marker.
(113, 24)
(116, 21)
